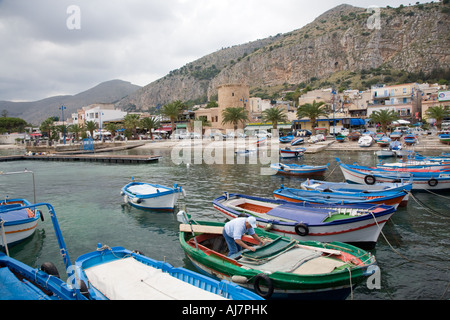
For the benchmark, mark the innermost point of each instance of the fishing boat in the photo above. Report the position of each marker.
(261, 142)
(286, 139)
(19, 281)
(444, 138)
(245, 153)
(345, 187)
(410, 139)
(17, 224)
(365, 141)
(292, 153)
(299, 169)
(335, 197)
(396, 135)
(282, 268)
(151, 196)
(385, 153)
(115, 273)
(297, 141)
(18, 220)
(354, 135)
(415, 164)
(421, 180)
(340, 137)
(358, 224)
(383, 141)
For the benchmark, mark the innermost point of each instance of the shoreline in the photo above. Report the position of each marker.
(426, 143)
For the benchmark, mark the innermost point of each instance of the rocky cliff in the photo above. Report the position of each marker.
(344, 39)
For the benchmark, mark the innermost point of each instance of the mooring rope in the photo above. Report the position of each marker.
(427, 208)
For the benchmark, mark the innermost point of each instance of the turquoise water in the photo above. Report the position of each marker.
(86, 196)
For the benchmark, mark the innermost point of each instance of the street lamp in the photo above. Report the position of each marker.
(64, 133)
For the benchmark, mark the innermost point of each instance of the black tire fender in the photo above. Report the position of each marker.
(50, 269)
(256, 285)
(369, 179)
(432, 182)
(301, 229)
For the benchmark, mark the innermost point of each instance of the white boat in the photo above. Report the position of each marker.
(292, 153)
(385, 153)
(151, 196)
(365, 140)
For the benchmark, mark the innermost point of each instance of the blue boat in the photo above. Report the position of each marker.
(299, 169)
(286, 139)
(297, 141)
(120, 274)
(19, 281)
(335, 197)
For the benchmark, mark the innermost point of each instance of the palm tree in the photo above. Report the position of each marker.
(111, 127)
(132, 121)
(47, 126)
(149, 124)
(172, 110)
(439, 113)
(274, 115)
(91, 126)
(312, 111)
(76, 129)
(234, 115)
(384, 117)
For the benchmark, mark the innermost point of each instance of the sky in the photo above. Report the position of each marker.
(56, 47)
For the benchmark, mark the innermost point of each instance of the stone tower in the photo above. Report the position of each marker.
(232, 95)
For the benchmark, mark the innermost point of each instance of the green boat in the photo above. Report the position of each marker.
(283, 268)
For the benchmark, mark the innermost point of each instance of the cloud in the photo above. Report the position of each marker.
(134, 40)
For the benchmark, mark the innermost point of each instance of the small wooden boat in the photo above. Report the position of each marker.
(283, 268)
(151, 196)
(297, 141)
(299, 169)
(18, 220)
(413, 164)
(19, 281)
(335, 197)
(286, 139)
(340, 138)
(421, 180)
(383, 141)
(358, 224)
(396, 135)
(354, 136)
(120, 274)
(292, 153)
(385, 153)
(444, 138)
(410, 139)
(365, 141)
(245, 153)
(345, 187)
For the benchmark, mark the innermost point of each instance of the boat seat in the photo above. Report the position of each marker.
(297, 213)
(319, 265)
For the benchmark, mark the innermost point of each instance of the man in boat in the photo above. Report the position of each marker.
(235, 229)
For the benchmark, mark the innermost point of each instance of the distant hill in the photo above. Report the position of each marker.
(37, 111)
(340, 48)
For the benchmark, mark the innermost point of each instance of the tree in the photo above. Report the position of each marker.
(132, 121)
(172, 110)
(312, 111)
(47, 126)
(150, 123)
(234, 116)
(76, 129)
(111, 127)
(274, 115)
(384, 117)
(439, 113)
(91, 126)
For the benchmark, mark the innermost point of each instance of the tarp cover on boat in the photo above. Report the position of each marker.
(13, 289)
(297, 213)
(128, 279)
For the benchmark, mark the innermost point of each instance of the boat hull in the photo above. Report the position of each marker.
(362, 231)
(18, 224)
(294, 153)
(285, 284)
(365, 176)
(161, 198)
(298, 170)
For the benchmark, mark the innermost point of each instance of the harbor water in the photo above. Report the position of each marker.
(412, 252)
